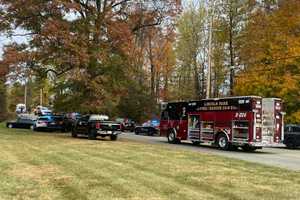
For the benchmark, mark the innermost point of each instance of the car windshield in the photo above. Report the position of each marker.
(20, 119)
(296, 129)
(27, 117)
(120, 120)
(58, 117)
(44, 118)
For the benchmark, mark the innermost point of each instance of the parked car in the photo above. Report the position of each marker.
(292, 136)
(146, 130)
(49, 123)
(41, 110)
(57, 124)
(23, 121)
(127, 124)
(96, 125)
(70, 120)
(150, 127)
(155, 123)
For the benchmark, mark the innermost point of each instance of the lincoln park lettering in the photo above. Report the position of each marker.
(221, 105)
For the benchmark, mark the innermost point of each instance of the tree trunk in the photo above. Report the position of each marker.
(157, 83)
(2, 99)
(152, 69)
(196, 77)
(231, 50)
(215, 84)
(166, 87)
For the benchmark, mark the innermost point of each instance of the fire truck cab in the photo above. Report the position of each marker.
(250, 122)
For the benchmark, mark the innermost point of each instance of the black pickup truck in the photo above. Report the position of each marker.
(95, 125)
(292, 136)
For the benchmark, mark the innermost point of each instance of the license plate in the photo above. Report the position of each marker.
(109, 132)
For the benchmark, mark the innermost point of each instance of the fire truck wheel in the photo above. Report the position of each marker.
(172, 138)
(222, 142)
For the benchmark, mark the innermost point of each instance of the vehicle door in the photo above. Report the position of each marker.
(296, 134)
(59, 121)
(82, 124)
(194, 127)
(19, 123)
(183, 124)
(27, 123)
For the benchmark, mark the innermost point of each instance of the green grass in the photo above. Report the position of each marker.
(56, 166)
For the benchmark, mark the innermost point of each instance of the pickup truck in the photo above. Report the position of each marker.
(94, 125)
(292, 136)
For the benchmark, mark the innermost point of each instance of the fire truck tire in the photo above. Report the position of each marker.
(222, 142)
(172, 138)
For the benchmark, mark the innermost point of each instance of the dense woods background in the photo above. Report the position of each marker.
(123, 57)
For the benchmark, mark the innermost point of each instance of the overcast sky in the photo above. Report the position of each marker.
(4, 40)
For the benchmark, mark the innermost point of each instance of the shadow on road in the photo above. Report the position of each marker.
(213, 148)
(292, 149)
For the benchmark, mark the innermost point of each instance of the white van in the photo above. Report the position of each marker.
(20, 108)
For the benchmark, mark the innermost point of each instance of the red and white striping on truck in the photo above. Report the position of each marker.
(250, 122)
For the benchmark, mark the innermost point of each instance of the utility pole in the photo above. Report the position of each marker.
(231, 50)
(208, 84)
(41, 97)
(25, 95)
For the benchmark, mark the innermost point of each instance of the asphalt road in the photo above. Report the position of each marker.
(278, 157)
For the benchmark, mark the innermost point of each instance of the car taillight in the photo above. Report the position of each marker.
(98, 126)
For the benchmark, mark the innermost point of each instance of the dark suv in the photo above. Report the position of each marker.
(292, 136)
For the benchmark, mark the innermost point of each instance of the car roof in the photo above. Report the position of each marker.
(98, 117)
(27, 116)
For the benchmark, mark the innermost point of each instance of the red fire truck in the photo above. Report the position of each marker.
(250, 122)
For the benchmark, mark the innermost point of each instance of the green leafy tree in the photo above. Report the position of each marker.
(137, 104)
(86, 45)
(15, 96)
(190, 50)
(270, 54)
